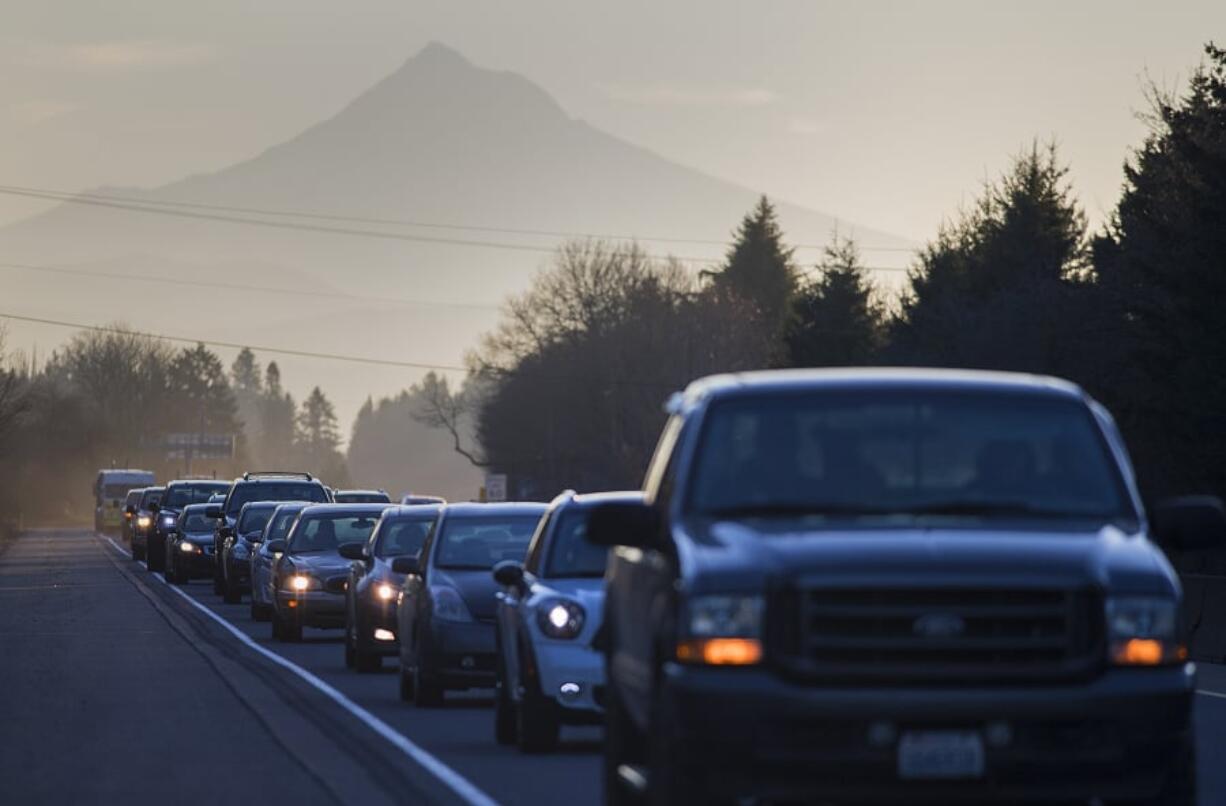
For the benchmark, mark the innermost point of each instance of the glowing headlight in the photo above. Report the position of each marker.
(143, 521)
(560, 618)
(723, 630)
(385, 592)
(168, 520)
(1141, 631)
(188, 548)
(301, 582)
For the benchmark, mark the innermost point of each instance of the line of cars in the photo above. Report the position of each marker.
(907, 586)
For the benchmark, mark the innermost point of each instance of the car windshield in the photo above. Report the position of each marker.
(196, 522)
(150, 498)
(478, 543)
(180, 496)
(402, 537)
(115, 490)
(363, 498)
(327, 532)
(254, 519)
(905, 453)
(275, 491)
(570, 554)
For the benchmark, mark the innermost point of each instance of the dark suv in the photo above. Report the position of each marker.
(178, 495)
(264, 486)
(900, 586)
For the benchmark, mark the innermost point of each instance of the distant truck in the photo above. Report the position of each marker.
(110, 489)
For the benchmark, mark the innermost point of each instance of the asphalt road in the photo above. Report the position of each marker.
(114, 688)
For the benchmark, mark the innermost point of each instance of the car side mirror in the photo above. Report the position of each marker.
(406, 565)
(623, 523)
(275, 547)
(509, 574)
(1191, 523)
(352, 551)
(213, 511)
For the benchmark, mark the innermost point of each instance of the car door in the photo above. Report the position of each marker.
(409, 609)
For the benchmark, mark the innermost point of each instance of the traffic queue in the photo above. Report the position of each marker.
(835, 586)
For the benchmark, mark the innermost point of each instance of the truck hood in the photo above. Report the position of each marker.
(730, 555)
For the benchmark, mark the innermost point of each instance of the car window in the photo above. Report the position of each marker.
(570, 554)
(478, 543)
(327, 532)
(196, 522)
(182, 495)
(402, 537)
(532, 563)
(279, 526)
(254, 519)
(905, 452)
(150, 498)
(363, 498)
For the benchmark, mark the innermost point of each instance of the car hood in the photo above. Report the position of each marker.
(323, 565)
(727, 555)
(199, 538)
(476, 588)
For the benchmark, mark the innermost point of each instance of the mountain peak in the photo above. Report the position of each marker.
(436, 54)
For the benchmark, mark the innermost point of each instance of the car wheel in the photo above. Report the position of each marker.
(406, 684)
(350, 637)
(427, 693)
(259, 612)
(621, 746)
(230, 593)
(504, 710)
(536, 717)
(217, 589)
(138, 553)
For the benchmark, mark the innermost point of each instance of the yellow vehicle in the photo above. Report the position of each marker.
(110, 489)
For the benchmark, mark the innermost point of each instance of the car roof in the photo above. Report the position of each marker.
(209, 482)
(588, 500)
(345, 509)
(356, 491)
(409, 510)
(196, 507)
(475, 510)
(259, 505)
(927, 379)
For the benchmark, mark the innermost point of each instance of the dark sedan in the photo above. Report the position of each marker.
(445, 612)
(142, 521)
(177, 495)
(370, 598)
(237, 547)
(189, 546)
(310, 577)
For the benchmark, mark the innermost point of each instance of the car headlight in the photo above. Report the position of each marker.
(448, 606)
(1142, 631)
(301, 582)
(385, 592)
(168, 520)
(143, 521)
(560, 618)
(188, 548)
(722, 631)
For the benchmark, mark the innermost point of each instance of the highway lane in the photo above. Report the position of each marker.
(78, 622)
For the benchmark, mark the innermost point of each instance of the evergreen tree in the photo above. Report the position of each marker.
(245, 373)
(759, 268)
(203, 399)
(276, 432)
(317, 432)
(836, 319)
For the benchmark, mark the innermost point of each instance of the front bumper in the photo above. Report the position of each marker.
(459, 655)
(558, 663)
(313, 608)
(377, 615)
(749, 732)
(196, 564)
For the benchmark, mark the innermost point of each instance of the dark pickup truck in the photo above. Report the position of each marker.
(909, 586)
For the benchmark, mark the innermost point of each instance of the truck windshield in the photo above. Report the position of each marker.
(181, 495)
(274, 491)
(905, 453)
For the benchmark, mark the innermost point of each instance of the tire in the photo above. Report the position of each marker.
(138, 554)
(153, 559)
(621, 743)
(536, 717)
(286, 630)
(427, 693)
(230, 593)
(259, 612)
(669, 781)
(217, 588)
(350, 637)
(505, 727)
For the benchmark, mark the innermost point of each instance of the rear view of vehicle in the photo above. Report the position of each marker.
(445, 613)
(142, 521)
(548, 672)
(268, 552)
(111, 488)
(370, 609)
(310, 576)
(189, 546)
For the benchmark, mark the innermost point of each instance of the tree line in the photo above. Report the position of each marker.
(567, 391)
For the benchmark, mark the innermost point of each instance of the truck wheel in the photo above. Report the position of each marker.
(620, 745)
(504, 710)
(1179, 788)
(536, 718)
(406, 685)
(669, 781)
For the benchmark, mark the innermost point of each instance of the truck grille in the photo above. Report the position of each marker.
(937, 634)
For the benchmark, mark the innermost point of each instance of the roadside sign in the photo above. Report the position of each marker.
(495, 487)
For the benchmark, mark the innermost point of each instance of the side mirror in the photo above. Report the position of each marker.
(352, 551)
(509, 574)
(276, 547)
(213, 511)
(1191, 523)
(406, 565)
(623, 523)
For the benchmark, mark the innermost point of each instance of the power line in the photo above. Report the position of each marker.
(278, 290)
(62, 195)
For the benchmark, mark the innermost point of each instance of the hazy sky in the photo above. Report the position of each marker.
(888, 114)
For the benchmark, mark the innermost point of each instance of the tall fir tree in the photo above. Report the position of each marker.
(759, 268)
(836, 320)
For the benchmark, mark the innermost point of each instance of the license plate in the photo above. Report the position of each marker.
(940, 754)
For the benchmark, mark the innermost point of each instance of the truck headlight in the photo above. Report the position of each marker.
(560, 618)
(1141, 631)
(722, 631)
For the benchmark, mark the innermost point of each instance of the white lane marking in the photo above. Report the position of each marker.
(458, 784)
(1207, 693)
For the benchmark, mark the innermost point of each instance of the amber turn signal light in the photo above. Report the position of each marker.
(720, 651)
(1147, 652)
